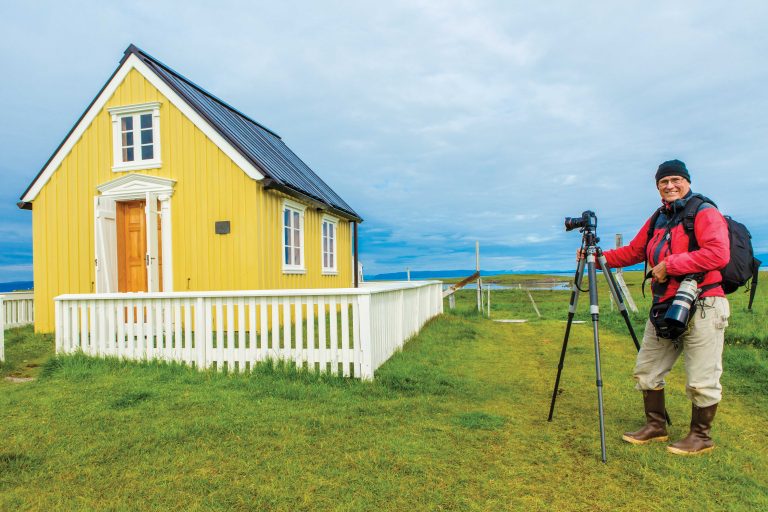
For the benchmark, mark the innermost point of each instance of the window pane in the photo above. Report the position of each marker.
(146, 136)
(325, 260)
(297, 256)
(147, 152)
(126, 123)
(325, 228)
(325, 244)
(296, 238)
(146, 121)
(287, 219)
(127, 154)
(287, 255)
(128, 139)
(330, 257)
(330, 230)
(296, 220)
(287, 233)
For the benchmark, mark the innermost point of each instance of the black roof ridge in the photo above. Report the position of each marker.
(133, 49)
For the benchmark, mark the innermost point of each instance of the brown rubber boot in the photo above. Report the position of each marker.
(655, 428)
(697, 441)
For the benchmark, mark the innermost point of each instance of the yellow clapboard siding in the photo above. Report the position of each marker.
(209, 187)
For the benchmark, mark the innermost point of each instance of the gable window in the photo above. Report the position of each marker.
(293, 237)
(136, 136)
(328, 244)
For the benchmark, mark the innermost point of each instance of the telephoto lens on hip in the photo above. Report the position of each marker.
(679, 313)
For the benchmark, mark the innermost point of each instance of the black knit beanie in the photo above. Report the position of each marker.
(672, 168)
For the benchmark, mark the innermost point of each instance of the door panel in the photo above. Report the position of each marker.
(106, 245)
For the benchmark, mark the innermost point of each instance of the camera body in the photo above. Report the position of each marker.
(587, 221)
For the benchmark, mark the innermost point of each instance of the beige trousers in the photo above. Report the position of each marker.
(703, 348)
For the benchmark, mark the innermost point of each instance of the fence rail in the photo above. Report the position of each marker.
(348, 331)
(16, 309)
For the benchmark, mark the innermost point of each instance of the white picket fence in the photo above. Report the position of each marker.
(16, 309)
(345, 330)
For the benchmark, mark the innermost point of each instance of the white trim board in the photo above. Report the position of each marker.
(133, 62)
(136, 186)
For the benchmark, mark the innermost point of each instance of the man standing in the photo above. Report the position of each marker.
(667, 249)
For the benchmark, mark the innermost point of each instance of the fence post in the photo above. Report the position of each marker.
(58, 319)
(2, 330)
(366, 348)
(200, 334)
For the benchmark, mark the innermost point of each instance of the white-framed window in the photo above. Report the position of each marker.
(136, 136)
(293, 237)
(328, 236)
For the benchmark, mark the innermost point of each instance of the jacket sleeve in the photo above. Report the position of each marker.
(632, 253)
(714, 246)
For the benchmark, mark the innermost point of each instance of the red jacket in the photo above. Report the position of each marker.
(713, 254)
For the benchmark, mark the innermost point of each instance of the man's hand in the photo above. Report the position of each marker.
(659, 272)
(580, 254)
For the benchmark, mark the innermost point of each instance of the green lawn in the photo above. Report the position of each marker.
(457, 421)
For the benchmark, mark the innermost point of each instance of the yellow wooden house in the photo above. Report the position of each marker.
(162, 186)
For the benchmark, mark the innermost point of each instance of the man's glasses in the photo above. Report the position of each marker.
(671, 181)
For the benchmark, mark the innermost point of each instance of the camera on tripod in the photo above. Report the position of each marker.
(588, 221)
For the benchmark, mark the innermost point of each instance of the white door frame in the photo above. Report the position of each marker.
(150, 189)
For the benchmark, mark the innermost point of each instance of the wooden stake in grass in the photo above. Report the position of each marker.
(534, 303)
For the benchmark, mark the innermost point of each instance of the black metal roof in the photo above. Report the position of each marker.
(259, 145)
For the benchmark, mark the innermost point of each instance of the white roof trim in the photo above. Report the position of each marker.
(133, 62)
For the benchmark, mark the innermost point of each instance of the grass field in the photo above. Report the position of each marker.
(457, 421)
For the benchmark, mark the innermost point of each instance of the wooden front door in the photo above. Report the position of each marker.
(132, 247)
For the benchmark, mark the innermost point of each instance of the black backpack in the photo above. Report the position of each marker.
(742, 265)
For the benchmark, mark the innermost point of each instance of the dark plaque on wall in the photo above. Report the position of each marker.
(222, 227)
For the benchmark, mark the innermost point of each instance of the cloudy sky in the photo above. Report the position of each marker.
(441, 122)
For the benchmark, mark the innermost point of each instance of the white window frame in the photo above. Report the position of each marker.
(293, 207)
(333, 269)
(135, 111)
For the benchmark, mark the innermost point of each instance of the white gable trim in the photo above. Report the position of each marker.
(133, 62)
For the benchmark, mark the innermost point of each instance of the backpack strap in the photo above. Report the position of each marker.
(649, 235)
(689, 218)
(753, 288)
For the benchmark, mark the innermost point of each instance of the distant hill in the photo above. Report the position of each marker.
(437, 274)
(16, 286)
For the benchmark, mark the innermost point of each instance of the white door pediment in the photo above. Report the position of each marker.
(136, 186)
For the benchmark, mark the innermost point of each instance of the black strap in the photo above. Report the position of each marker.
(648, 236)
(753, 288)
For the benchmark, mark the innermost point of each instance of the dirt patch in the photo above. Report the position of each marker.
(19, 380)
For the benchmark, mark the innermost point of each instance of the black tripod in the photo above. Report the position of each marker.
(594, 256)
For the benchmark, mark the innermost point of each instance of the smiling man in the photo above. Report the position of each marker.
(667, 247)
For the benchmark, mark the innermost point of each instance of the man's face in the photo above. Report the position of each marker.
(672, 188)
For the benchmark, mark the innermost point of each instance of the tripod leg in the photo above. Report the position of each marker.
(594, 309)
(619, 299)
(571, 312)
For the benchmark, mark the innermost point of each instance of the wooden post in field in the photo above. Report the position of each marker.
(620, 280)
(534, 304)
(479, 280)
(408, 273)
(452, 301)
(488, 302)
